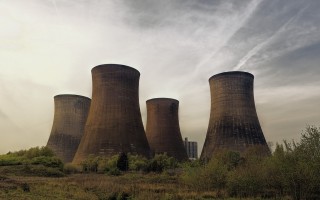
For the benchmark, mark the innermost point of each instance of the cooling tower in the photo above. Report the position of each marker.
(114, 123)
(163, 131)
(234, 123)
(70, 115)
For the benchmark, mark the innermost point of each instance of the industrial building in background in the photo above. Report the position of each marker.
(114, 122)
(234, 123)
(163, 130)
(191, 148)
(70, 115)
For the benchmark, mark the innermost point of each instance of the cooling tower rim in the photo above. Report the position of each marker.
(162, 99)
(231, 73)
(70, 95)
(114, 65)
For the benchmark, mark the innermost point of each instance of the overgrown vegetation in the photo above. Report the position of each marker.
(291, 172)
(33, 162)
(128, 162)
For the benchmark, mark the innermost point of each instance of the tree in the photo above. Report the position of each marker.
(123, 163)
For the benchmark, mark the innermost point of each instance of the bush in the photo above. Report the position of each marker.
(125, 162)
(292, 170)
(31, 170)
(137, 163)
(9, 159)
(70, 169)
(207, 177)
(37, 161)
(90, 164)
(109, 164)
(53, 162)
(161, 162)
(299, 164)
(39, 151)
(248, 177)
(246, 181)
(191, 177)
(36, 155)
(100, 164)
(40, 170)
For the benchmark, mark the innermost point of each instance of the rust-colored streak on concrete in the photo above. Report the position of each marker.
(70, 115)
(114, 123)
(234, 123)
(163, 131)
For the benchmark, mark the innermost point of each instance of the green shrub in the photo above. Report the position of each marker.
(298, 163)
(137, 163)
(99, 164)
(245, 182)
(9, 159)
(70, 169)
(31, 170)
(161, 162)
(212, 176)
(110, 163)
(53, 162)
(36, 155)
(39, 151)
(33, 162)
(191, 163)
(90, 164)
(40, 170)
(191, 177)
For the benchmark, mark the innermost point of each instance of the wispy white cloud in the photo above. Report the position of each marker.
(237, 22)
(267, 42)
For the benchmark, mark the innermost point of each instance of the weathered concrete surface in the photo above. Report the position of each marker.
(163, 130)
(114, 123)
(70, 115)
(234, 123)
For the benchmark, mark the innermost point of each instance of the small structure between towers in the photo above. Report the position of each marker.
(191, 148)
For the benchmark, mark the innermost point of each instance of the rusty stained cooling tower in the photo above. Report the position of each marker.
(234, 123)
(163, 131)
(114, 123)
(70, 115)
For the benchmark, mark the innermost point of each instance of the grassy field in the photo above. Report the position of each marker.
(99, 186)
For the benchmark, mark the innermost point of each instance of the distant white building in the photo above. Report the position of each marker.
(191, 148)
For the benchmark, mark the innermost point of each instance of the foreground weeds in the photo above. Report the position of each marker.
(98, 186)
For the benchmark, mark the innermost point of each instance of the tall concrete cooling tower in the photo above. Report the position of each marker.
(234, 123)
(163, 131)
(70, 115)
(114, 123)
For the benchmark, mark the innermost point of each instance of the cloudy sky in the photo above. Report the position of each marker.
(48, 47)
